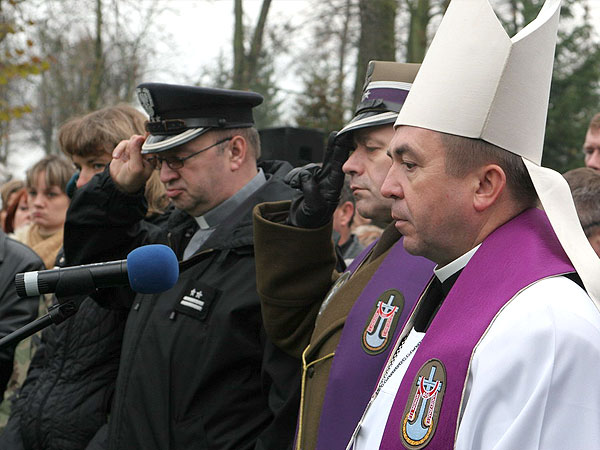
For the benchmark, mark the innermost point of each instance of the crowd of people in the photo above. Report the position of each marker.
(426, 285)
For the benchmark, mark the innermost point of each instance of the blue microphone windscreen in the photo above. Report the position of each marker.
(152, 269)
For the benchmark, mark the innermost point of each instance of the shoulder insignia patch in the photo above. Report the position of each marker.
(382, 322)
(197, 301)
(422, 411)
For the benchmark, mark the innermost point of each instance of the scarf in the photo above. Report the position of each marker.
(46, 246)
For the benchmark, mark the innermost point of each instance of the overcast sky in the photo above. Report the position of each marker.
(202, 29)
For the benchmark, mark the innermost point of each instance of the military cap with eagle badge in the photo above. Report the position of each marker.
(386, 87)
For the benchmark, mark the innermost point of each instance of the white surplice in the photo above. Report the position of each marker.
(533, 382)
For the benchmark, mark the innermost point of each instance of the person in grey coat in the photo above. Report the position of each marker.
(15, 312)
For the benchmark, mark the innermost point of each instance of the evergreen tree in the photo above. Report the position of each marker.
(326, 101)
(317, 107)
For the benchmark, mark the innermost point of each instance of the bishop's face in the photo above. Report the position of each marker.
(429, 207)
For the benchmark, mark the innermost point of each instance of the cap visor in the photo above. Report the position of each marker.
(157, 143)
(367, 120)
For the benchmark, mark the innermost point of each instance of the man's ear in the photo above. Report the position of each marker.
(347, 209)
(491, 182)
(237, 150)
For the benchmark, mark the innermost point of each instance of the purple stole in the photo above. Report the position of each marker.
(425, 411)
(354, 371)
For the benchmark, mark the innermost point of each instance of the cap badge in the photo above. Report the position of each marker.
(382, 322)
(365, 96)
(146, 101)
(422, 411)
(369, 74)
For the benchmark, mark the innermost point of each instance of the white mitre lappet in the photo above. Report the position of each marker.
(476, 82)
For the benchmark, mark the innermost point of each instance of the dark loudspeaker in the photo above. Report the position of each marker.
(298, 146)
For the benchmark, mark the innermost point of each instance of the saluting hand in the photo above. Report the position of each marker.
(128, 169)
(320, 186)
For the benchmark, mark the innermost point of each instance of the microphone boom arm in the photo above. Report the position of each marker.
(58, 313)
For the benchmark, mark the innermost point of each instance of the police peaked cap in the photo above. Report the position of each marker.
(178, 114)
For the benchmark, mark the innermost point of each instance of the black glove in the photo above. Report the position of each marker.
(320, 185)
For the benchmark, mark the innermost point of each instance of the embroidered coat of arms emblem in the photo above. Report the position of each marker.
(421, 414)
(382, 321)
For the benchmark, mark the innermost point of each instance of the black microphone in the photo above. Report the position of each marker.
(149, 269)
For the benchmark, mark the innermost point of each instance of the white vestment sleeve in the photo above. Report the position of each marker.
(534, 376)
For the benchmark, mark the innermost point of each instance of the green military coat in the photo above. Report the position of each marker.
(295, 271)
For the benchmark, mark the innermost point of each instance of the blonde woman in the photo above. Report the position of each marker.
(48, 203)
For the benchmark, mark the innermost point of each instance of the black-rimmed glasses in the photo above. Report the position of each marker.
(175, 162)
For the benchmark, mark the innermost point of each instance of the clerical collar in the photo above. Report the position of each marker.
(445, 272)
(216, 215)
(445, 277)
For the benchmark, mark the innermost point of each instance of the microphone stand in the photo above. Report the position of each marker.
(58, 313)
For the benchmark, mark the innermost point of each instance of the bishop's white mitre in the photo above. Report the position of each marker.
(476, 82)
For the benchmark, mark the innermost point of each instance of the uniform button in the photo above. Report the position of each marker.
(310, 372)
